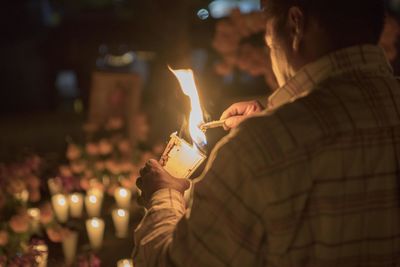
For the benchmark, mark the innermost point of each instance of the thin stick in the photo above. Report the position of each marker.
(212, 124)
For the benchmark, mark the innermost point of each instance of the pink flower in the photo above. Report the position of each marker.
(34, 195)
(78, 167)
(65, 171)
(115, 123)
(105, 147)
(19, 223)
(33, 182)
(46, 214)
(3, 238)
(54, 233)
(73, 152)
(125, 147)
(92, 149)
(84, 184)
(100, 166)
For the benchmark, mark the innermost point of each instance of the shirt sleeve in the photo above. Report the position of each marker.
(219, 229)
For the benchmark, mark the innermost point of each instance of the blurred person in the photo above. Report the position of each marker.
(312, 179)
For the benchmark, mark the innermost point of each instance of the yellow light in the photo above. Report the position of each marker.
(188, 86)
(121, 213)
(93, 199)
(62, 201)
(123, 192)
(74, 198)
(95, 223)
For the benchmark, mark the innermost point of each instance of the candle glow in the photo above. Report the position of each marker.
(188, 86)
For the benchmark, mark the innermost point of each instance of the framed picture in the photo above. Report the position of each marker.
(114, 94)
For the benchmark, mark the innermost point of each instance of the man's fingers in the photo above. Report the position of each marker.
(233, 122)
(139, 182)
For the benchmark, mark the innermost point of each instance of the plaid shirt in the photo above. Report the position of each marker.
(310, 183)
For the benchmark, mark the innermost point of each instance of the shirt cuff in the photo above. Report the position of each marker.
(167, 198)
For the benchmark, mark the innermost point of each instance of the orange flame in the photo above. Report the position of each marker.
(188, 86)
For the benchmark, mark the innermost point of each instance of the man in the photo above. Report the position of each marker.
(314, 179)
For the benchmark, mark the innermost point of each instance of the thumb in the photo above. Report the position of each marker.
(233, 122)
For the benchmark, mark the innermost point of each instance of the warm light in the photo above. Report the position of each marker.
(123, 192)
(188, 86)
(125, 263)
(75, 198)
(62, 201)
(34, 213)
(121, 213)
(93, 199)
(95, 223)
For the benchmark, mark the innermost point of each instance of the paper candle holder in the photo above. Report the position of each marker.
(180, 159)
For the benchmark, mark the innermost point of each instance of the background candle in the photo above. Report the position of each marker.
(125, 263)
(123, 197)
(69, 244)
(76, 205)
(60, 206)
(34, 214)
(93, 205)
(95, 230)
(121, 222)
(42, 254)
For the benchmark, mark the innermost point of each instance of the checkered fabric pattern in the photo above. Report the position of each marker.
(312, 181)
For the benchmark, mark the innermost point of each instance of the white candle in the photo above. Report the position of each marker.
(43, 253)
(60, 207)
(69, 244)
(22, 196)
(125, 263)
(34, 214)
(76, 205)
(93, 205)
(95, 230)
(121, 221)
(123, 197)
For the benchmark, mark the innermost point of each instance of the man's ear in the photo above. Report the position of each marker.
(296, 26)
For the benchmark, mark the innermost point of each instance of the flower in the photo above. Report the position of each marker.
(65, 170)
(105, 147)
(33, 182)
(54, 233)
(46, 214)
(100, 166)
(34, 195)
(114, 123)
(124, 146)
(3, 238)
(73, 152)
(78, 167)
(92, 149)
(19, 223)
(90, 127)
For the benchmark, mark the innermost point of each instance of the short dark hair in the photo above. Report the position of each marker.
(346, 21)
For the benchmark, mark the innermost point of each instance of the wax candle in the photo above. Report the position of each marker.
(95, 230)
(76, 205)
(42, 254)
(93, 205)
(123, 197)
(34, 214)
(60, 207)
(125, 263)
(121, 222)
(69, 244)
(55, 186)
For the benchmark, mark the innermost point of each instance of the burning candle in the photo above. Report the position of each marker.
(60, 207)
(95, 229)
(55, 186)
(76, 204)
(42, 254)
(69, 244)
(123, 197)
(93, 205)
(34, 214)
(121, 222)
(125, 263)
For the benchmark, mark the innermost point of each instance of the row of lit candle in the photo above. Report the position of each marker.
(93, 202)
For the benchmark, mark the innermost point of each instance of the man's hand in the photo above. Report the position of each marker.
(238, 112)
(153, 177)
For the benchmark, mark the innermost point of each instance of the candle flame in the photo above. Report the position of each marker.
(188, 86)
(123, 192)
(93, 199)
(74, 198)
(95, 223)
(62, 201)
(121, 212)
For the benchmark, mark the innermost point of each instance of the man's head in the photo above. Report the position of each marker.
(301, 31)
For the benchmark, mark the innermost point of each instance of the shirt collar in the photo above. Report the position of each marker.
(363, 58)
